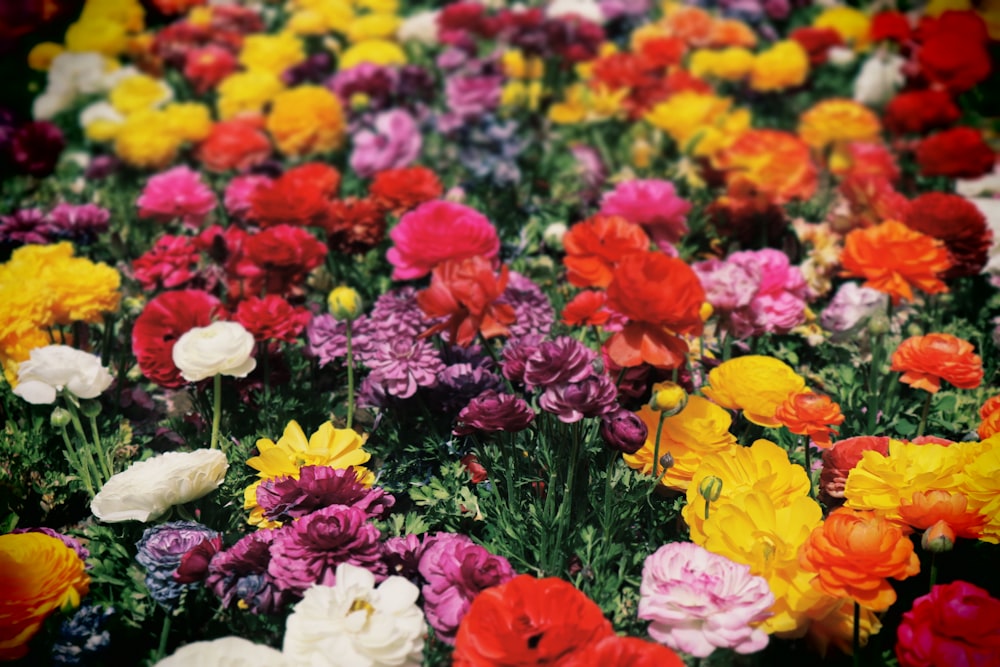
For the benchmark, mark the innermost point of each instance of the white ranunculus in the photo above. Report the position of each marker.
(53, 101)
(880, 78)
(841, 56)
(221, 348)
(83, 72)
(100, 111)
(149, 488)
(585, 9)
(355, 624)
(420, 27)
(53, 368)
(225, 652)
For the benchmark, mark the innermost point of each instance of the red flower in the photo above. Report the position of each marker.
(206, 67)
(399, 190)
(529, 621)
(272, 318)
(165, 319)
(662, 52)
(586, 309)
(354, 226)
(955, 624)
(839, 460)
(298, 197)
(957, 153)
(919, 111)
(631, 651)
(872, 200)
(233, 144)
(890, 25)
(466, 292)
(277, 260)
(953, 51)
(170, 263)
(817, 42)
(956, 221)
(475, 468)
(596, 245)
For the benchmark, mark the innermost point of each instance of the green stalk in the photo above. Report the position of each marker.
(86, 452)
(74, 459)
(656, 447)
(103, 456)
(350, 378)
(216, 410)
(924, 413)
(164, 634)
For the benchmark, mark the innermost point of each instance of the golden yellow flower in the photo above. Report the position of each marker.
(189, 121)
(784, 65)
(128, 13)
(732, 64)
(584, 104)
(373, 26)
(247, 93)
(379, 6)
(41, 55)
(853, 25)
(517, 66)
(345, 303)
(700, 429)
(526, 94)
(981, 484)
(837, 628)
(38, 575)
(838, 120)
(307, 22)
(272, 53)
(79, 290)
(99, 35)
(141, 141)
(139, 92)
(306, 120)
(755, 384)
(701, 124)
(375, 51)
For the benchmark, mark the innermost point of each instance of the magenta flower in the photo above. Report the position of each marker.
(404, 364)
(593, 396)
(177, 193)
(493, 411)
(954, 624)
(435, 232)
(239, 575)
(623, 430)
(239, 194)
(557, 361)
(393, 141)
(779, 304)
(286, 498)
(469, 97)
(172, 262)
(699, 601)
(728, 285)
(652, 203)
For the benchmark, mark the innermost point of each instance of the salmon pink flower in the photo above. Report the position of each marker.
(466, 292)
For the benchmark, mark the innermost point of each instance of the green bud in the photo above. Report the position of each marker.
(60, 418)
(90, 408)
(878, 325)
(710, 488)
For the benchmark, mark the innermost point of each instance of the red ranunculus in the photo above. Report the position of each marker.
(298, 197)
(918, 111)
(953, 50)
(207, 66)
(399, 190)
(890, 25)
(957, 153)
(234, 144)
(170, 263)
(272, 318)
(354, 226)
(954, 624)
(631, 651)
(817, 42)
(959, 223)
(466, 291)
(586, 309)
(165, 319)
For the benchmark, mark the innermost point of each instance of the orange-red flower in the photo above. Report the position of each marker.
(853, 552)
(990, 414)
(947, 513)
(774, 163)
(894, 259)
(926, 360)
(596, 245)
(586, 309)
(809, 414)
(466, 292)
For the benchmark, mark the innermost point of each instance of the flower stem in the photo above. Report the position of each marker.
(216, 410)
(86, 453)
(656, 447)
(924, 413)
(350, 377)
(74, 459)
(857, 634)
(933, 569)
(164, 634)
(103, 456)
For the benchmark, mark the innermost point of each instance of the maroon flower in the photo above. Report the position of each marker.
(402, 556)
(623, 430)
(493, 411)
(239, 575)
(194, 564)
(956, 221)
(277, 259)
(960, 152)
(165, 319)
(515, 357)
(35, 148)
(285, 498)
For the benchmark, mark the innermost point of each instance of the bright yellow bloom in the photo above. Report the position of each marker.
(516, 66)
(307, 22)
(306, 120)
(129, 13)
(697, 431)
(853, 25)
(247, 93)
(141, 141)
(701, 124)
(375, 51)
(200, 16)
(139, 92)
(373, 26)
(272, 53)
(732, 64)
(784, 65)
(345, 303)
(99, 34)
(526, 94)
(981, 484)
(836, 121)
(378, 6)
(188, 121)
(41, 55)
(755, 384)
(584, 104)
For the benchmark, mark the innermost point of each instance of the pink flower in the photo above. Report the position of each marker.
(779, 304)
(438, 231)
(239, 193)
(394, 142)
(176, 193)
(728, 286)
(699, 601)
(652, 203)
(955, 624)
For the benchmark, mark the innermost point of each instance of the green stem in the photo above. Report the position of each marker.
(74, 459)
(656, 447)
(350, 378)
(103, 456)
(857, 635)
(85, 452)
(216, 410)
(933, 569)
(809, 468)
(164, 634)
(924, 413)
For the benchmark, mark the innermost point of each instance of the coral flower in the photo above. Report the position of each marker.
(894, 259)
(466, 292)
(809, 414)
(596, 245)
(586, 309)
(942, 513)
(989, 412)
(755, 384)
(774, 163)
(854, 552)
(926, 360)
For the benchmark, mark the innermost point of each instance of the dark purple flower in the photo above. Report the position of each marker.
(623, 430)
(83, 638)
(101, 167)
(468, 98)
(515, 356)
(286, 498)
(314, 69)
(36, 146)
(415, 84)
(194, 564)
(532, 309)
(456, 570)
(572, 401)
(80, 550)
(80, 224)
(28, 225)
(559, 361)
(160, 551)
(493, 411)
(375, 82)
(402, 556)
(239, 575)
(459, 383)
(309, 550)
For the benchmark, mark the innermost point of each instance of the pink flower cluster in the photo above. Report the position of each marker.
(177, 194)
(655, 205)
(436, 232)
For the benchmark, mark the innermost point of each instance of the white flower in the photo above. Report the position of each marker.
(354, 624)
(840, 56)
(82, 72)
(225, 652)
(585, 9)
(221, 348)
(54, 368)
(55, 100)
(880, 78)
(100, 111)
(149, 488)
(420, 27)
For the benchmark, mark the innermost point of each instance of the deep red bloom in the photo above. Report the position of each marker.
(165, 319)
(194, 564)
(400, 190)
(206, 67)
(890, 25)
(960, 152)
(956, 221)
(955, 624)
(953, 50)
(170, 263)
(298, 197)
(277, 259)
(354, 226)
(466, 291)
(631, 651)
(36, 147)
(817, 42)
(919, 111)
(272, 318)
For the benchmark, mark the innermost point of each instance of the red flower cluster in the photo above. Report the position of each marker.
(959, 224)
(957, 153)
(300, 196)
(401, 190)
(272, 318)
(919, 111)
(953, 50)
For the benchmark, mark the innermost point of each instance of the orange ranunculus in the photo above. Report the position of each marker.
(38, 575)
(990, 414)
(927, 509)
(852, 554)
(586, 309)
(926, 360)
(661, 296)
(894, 259)
(237, 144)
(772, 162)
(692, 24)
(596, 245)
(809, 414)
(731, 32)
(466, 292)
(837, 120)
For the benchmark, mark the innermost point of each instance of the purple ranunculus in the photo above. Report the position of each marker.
(239, 575)
(308, 551)
(850, 309)
(160, 551)
(286, 498)
(35, 148)
(572, 401)
(28, 225)
(80, 223)
(559, 361)
(456, 570)
(392, 142)
(404, 364)
(532, 309)
(375, 82)
(623, 430)
(468, 98)
(493, 411)
(515, 356)
(326, 337)
(402, 556)
(460, 383)
(314, 69)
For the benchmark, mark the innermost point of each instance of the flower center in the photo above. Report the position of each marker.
(361, 604)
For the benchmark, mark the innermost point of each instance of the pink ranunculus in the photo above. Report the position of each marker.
(780, 302)
(850, 309)
(177, 193)
(392, 143)
(728, 286)
(954, 624)
(699, 601)
(238, 197)
(652, 203)
(436, 232)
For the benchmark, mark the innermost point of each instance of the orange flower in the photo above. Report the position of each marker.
(692, 24)
(730, 32)
(661, 296)
(926, 360)
(927, 509)
(990, 414)
(466, 292)
(596, 245)
(894, 259)
(852, 554)
(774, 163)
(809, 414)
(586, 309)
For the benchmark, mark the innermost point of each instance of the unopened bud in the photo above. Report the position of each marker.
(878, 325)
(710, 488)
(705, 311)
(667, 461)
(668, 398)
(90, 408)
(345, 303)
(938, 538)
(60, 418)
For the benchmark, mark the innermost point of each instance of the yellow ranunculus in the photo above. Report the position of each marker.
(345, 303)
(141, 141)
(732, 64)
(784, 65)
(375, 51)
(41, 55)
(837, 628)
(98, 34)
(583, 104)
(701, 124)
(128, 13)
(247, 93)
(373, 26)
(189, 121)
(981, 484)
(853, 25)
(755, 384)
(139, 92)
(835, 121)
(272, 53)
(378, 6)
(517, 66)
(307, 22)
(306, 120)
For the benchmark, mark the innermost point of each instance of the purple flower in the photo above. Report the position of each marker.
(286, 498)
(532, 309)
(375, 82)
(515, 356)
(457, 570)
(394, 141)
(101, 167)
(590, 169)
(308, 551)
(404, 364)
(313, 69)
(850, 309)
(239, 575)
(402, 556)
(572, 401)
(493, 411)
(459, 383)
(83, 638)
(79, 223)
(327, 337)
(468, 98)
(35, 148)
(160, 551)
(557, 361)
(623, 430)
(28, 225)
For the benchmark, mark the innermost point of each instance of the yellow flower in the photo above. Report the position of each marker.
(188, 121)
(516, 66)
(837, 628)
(936, 8)
(836, 121)
(247, 93)
(306, 120)
(200, 17)
(732, 64)
(668, 397)
(375, 51)
(584, 104)
(38, 575)
(853, 25)
(527, 94)
(373, 26)
(345, 303)
(41, 55)
(307, 22)
(138, 93)
(272, 53)
(698, 430)
(379, 6)
(701, 124)
(79, 290)
(141, 141)
(755, 384)
(981, 485)
(98, 34)
(129, 13)
(784, 65)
